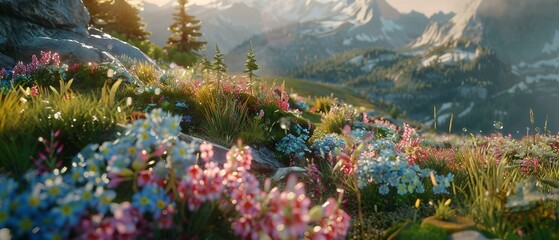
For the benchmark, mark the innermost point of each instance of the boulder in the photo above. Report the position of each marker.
(6, 62)
(262, 158)
(468, 235)
(28, 27)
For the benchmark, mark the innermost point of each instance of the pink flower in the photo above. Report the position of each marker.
(335, 223)
(206, 151)
(20, 69)
(200, 186)
(35, 91)
(45, 58)
(238, 159)
(56, 59)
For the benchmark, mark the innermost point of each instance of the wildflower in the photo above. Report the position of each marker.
(105, 198)
(34, 90)
(160, 170)
(206, 151)
(56, 59)
(184, 152)
(45, 58)
(334, 224)
(19, 69)
(151, 199)
(383, 189)
(68, 213)
(238, 159)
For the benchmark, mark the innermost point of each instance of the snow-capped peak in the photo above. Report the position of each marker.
(463, 24)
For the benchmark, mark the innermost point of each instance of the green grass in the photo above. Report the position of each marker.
(317, 89)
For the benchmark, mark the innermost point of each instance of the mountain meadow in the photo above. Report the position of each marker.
(269, 119)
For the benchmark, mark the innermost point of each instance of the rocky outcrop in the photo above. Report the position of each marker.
(28, 27)
(6, 61)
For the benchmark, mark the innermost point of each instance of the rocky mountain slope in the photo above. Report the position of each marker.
(355, 24)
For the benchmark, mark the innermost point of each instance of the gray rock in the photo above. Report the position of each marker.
(28, 27)
(281, 173)
(262, 158)
(6, 62)
(468, 235)
(58, 14)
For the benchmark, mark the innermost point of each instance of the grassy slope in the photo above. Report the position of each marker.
(316, 89)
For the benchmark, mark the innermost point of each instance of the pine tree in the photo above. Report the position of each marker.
(124, 19)
(185, 31)
(218, 64)
(250, 64)
(206, 64)
(98, 12)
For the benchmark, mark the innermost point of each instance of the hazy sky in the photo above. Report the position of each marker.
(427, 7)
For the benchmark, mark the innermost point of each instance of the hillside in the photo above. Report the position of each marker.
(461, 78)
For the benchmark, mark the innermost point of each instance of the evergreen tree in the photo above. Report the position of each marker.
(185, 31)
(250, 64)
(206, 64)
(218, 64)
(97, 11)
(124, 19)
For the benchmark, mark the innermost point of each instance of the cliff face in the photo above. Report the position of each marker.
(30, 26)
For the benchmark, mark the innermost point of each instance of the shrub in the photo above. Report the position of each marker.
(337, 118)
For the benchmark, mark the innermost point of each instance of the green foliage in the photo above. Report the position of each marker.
(108, 94)
(488, 182)
(81, 118)
(427, 232)
(218, 64)
(16, 152)
(337, 118)
(206, 64)
(323, 104)
(227, 119)
(10, 104)
(313, 89)
(443, 210)
(146, 73)
(123, 18)
(98, 12)
(250, 64)
(185, 32)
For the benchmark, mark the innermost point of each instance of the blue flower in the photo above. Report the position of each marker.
(329, 145)
(104, 199)
(383, 189)
(151, 199)
(181, 104)
(402, 189)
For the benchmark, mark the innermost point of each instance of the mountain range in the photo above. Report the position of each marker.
(291, 37)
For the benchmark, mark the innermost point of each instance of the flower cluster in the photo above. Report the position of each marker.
(79, 203)
(48, 204)
(382, 164)
(409, 145)
(23, 74)
(294, 146)
(328, 146)
(300, 102)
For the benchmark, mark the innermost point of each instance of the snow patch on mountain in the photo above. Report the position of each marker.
(553, 46)
(389, 25)
(467, 110)
(450, 57)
